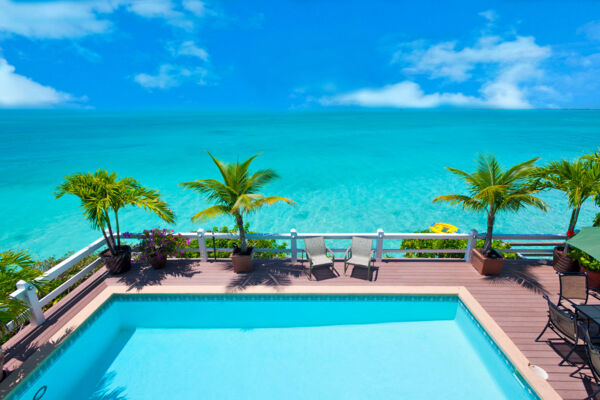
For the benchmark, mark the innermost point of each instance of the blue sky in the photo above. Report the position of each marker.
(280, 55)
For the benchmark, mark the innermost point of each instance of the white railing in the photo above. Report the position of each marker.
(535, 245)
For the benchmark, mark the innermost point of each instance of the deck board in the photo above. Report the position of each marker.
(513, 299)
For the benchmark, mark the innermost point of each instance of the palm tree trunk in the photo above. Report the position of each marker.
(112, 236)
(108, 242)
(240, 223)
(574, 217)
(118, 230)
(487, 245)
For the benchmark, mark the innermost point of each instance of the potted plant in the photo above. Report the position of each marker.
(156, 246)
(236, 196)
(579, 180)
(588, 264)
(492, 189)
(14, 266)
(103, 194)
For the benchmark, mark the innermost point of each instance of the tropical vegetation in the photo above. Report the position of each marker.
(213, 243)
(584, 259)
(14, 266)
(237, 195)
(103, 195)
(492, 189)
(446, 244)
(157, 243)
(578, 179)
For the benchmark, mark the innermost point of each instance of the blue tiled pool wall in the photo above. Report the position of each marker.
(264, 311)
(487, 348)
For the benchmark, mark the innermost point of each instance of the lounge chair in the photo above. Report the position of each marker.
(573, 286)
(316, 252)
(360, 254)
(564, 323)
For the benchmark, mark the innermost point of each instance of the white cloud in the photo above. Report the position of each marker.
(506, 71)
(170, 76)
(188, 48)
(490, 15)
(54, 20)
(196, 7)
(19, 91)
(75, 19)
(445, 61)
(402, 95)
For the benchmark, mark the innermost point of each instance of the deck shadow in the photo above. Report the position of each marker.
(521, 274)
(267, 273)
(142, 274)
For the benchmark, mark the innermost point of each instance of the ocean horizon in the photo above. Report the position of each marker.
(348, 171)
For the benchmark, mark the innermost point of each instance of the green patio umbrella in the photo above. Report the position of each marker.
(588, 241)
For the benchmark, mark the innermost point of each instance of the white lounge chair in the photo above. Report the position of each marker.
(360, 253)
(316, 252)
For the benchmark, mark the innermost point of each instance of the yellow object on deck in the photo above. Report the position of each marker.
(442, 227)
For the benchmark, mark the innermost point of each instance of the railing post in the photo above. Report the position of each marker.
(202, 245)
(294, 244)
(36, 315)
(379, 251)
(471, 243)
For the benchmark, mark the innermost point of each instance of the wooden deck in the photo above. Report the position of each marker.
(513, 299)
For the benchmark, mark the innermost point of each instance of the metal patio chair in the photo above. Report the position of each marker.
(563, 322)
(593, 354)
(316, 252)
(573, 286)
(360, 254)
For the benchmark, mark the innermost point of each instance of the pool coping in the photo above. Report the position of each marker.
(541, 387)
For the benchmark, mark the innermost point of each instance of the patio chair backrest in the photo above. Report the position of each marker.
(315, 246)
(361, 246)
(562, 321)
(574, 286)
(592, 350)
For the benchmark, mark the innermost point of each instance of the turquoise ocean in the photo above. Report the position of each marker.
(348, 171)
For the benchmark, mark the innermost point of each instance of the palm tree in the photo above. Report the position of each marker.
(103, 194)
(237, 195)
(594, 162)
(578, 179)
(493, 189)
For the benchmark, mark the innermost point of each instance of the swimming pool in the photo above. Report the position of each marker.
(162, 346)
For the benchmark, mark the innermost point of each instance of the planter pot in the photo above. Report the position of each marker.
(487, 265)
(562, 262)
(158, 262)
(120, 263)
(593, 277)
(242, 263)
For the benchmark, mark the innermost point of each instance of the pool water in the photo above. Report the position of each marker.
(277, 346)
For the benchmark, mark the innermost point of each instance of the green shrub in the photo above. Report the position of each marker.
(444, 244)
(588, 262)
(228, 243)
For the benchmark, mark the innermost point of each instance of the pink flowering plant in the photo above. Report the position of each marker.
(158, 243)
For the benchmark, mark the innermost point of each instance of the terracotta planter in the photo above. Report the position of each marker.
(486, 265)
(562, 262)
(120, 263)
(593, 277)
(158, 262)
(242, 263)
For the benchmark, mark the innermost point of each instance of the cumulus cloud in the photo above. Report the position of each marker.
(19, 91)
(55, 20)
(402, 95)
(188, 48)
(507, 70)
(170, 76)
(75, 19)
